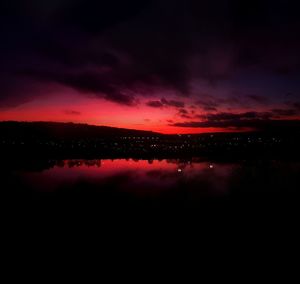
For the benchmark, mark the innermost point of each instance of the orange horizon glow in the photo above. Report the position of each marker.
(75, 108)
(97, 112)
(160, 130)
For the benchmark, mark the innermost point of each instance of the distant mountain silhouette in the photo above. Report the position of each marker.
(44, 130)
(70, 140)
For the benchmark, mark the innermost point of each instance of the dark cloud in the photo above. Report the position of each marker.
(86, 83)
(212, 103)
(296, 105)
(285, 112)
(238, 120)
(157, 104)
(172, 103)
(183, 111)
(227, 116)
(257, 124)
(165, 103)
(208, 108)
(258, 99)
(209, 104)
(293, 105)
(186, 116)
(120, 50)
(72, 112)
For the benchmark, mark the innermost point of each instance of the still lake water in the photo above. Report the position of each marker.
(191, 179)
(141, 177)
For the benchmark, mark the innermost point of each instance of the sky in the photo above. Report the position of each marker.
(186, 66)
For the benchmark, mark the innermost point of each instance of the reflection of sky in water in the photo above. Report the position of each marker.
(138, 176)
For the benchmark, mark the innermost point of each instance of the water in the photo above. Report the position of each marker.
(168, 179)
(139, 177)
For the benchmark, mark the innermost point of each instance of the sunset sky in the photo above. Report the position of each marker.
(185, 66)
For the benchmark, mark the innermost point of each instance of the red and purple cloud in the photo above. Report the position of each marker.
(181, 66)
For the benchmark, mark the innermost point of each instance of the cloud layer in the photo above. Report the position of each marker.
(229, 59)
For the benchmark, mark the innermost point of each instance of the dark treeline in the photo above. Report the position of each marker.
(264, 176)
(68, 140)
(30, 131)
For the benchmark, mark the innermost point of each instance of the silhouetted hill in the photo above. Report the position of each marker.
(69, 140)
(57, 130)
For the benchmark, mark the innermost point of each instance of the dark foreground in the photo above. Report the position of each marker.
(121, 186)
(149, 206)
(54, 170)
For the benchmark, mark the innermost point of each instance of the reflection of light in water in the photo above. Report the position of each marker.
(133, 175)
